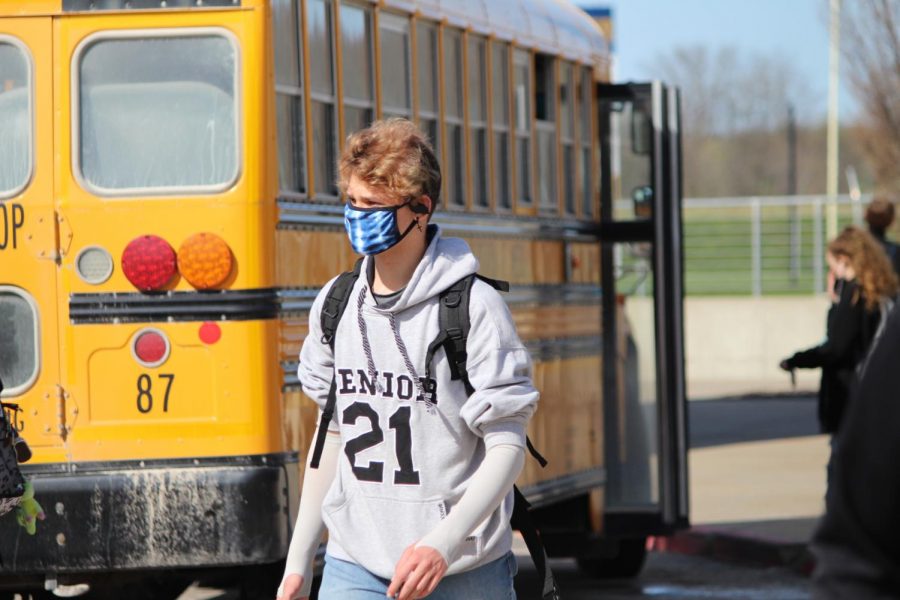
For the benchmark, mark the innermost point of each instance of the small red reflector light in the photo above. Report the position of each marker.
(210, 333)
(148, 262)
(151, 347)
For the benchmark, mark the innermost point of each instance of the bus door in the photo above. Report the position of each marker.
(29, 252)
(150, 145)
(641, 234)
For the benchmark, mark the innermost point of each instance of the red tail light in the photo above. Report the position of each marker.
(151, 347)
(148, 262)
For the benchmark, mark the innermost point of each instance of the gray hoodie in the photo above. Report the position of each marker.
(411, 446)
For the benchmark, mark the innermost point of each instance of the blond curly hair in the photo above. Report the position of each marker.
(873, 269)
(392, 155)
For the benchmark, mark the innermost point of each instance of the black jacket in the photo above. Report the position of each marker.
(850, 330)
(857, 545)
(892, 251)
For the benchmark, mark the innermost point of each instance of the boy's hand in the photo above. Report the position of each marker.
(417, 574)
(290, 588)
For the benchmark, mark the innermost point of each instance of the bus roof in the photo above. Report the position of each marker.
(552, 26)
(23, 8)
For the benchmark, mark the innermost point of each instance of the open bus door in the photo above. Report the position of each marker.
(642, 277)
(29, 235)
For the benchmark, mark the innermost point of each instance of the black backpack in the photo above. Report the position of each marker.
(453, 316)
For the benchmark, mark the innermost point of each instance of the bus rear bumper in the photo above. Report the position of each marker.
(193, 513)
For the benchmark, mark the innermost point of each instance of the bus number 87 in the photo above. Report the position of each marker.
(145, 392)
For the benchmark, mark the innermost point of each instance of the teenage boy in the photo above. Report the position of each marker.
(415, 480)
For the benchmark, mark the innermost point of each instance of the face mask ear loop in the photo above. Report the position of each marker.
(407, 230)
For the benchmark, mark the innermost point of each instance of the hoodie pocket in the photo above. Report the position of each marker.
(375, 531)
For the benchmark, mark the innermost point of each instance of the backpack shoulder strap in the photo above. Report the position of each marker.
(332, 310)
(453, 320)
(336, 302)
(453, 316)
(497, 284)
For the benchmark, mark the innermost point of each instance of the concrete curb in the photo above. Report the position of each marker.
(742, 548)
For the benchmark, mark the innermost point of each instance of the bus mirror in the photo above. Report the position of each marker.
(641, 132)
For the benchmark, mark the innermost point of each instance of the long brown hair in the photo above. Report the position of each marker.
(873, 269)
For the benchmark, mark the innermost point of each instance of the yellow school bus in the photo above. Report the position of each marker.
(168, 211)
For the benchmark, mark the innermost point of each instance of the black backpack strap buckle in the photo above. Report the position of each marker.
(452, 298)
(455, 333)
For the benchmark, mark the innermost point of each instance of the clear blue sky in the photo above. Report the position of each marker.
(795, 29)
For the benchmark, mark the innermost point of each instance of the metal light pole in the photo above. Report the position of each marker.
(834, 57)
(793, 210)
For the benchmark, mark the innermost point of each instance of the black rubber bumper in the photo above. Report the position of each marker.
(155, 514)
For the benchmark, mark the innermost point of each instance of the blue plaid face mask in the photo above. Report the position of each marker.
(374, 230)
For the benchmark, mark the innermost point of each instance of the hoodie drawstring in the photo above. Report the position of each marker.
(409, 366)
(367, 349)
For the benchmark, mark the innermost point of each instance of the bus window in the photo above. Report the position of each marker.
(321, 93)
(455, 163)
(395, 66)
(567, 131)
(156, 114)
(356, 57)
(584, 96)
(522, 91)
(19, 349)
(15, 117)
(500, 123)
(289, 97)
(429, 96)
(477, 93)
(545, 113)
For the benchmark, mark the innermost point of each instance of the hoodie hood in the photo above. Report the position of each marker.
(446, 261)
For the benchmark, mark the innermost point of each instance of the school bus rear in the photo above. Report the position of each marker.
(137, 330)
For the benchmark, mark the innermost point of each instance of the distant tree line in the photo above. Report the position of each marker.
(738, 114)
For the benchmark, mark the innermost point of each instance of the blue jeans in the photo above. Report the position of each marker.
(342, 580)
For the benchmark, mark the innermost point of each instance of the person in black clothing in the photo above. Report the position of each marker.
(861, 279)
(879, 216)
(856, 545)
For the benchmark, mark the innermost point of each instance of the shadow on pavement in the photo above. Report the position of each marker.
(750, 419)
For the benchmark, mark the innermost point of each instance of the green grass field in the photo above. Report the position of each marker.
(718, 251)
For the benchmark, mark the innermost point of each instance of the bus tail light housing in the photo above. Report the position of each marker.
(149, 263)
(150, 347)
(205, 260)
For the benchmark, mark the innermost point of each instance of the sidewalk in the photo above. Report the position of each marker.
(755, 502)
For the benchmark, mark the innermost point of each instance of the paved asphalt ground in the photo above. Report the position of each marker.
(751, 419)
(670, 576)
(667, 576)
